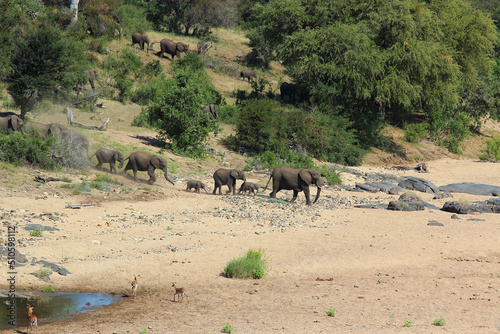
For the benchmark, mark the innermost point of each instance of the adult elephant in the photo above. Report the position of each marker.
(211, 110)
(288, 89)
(297, 180)
(247, 74)
(105, 156)
(140, 161)
(141, 40)
(11, 123)
(171, 47)
(36, 127)
(223, 176)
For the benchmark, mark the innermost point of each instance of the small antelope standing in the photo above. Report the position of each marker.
(134, 286)
(180, 292)
(32, 320)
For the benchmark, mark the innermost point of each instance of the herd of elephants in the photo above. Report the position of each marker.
(283, 177)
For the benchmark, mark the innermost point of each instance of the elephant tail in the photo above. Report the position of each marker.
(92, 155)
(270, 177)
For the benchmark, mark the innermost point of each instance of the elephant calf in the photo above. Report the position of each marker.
(105, 156)
(288, 89)
(196, 185)
(11, 123)
(249, 187)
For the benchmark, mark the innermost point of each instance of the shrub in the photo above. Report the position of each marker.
(48, 289)
(132, 20)
(331, 312)
(330, 174)
(492, 152)
(415, 132)
(177, 113)
(408, 323)
(252, 265)
(227, 328)
(18, 148)
(227, 113)
(439, 322)
(285, 157)
(37, 232)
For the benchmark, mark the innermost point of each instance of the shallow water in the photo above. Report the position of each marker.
(52, 306)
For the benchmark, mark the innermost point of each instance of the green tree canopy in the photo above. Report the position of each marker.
(396, 55)
(45, 65)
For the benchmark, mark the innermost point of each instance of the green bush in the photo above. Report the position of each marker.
(492, 152)
(177, 112)
(450, 127)
(415, 132)
(132, 20)
(19, 148)
(252, 265)
(331, 175)
(264, 125)
(226, 114)
(284, 157)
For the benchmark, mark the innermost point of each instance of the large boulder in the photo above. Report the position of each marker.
(472, 188)
(418, 184)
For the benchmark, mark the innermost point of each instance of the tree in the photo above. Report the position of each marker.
(199, 15)
(49, 72)
(177, 113)
(391, 57)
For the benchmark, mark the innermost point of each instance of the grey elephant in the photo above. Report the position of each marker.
(250, 187)
(171, 47)
(105, 156)
(288, 89)
(223, 176)
(140, 161)
(141, 40)
(44, 129)
(196, 185)
(11, 123)
(247, 74)
(297, 180)
(211, 110)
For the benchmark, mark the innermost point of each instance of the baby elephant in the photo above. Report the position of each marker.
(105, 156)
(197, 185)
(252, 188)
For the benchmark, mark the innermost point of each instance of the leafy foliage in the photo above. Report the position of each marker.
(492, 152)
(18, 149)
(263, 125)
(251, 265)
(386, 59)
(177, 113)
(49, 72)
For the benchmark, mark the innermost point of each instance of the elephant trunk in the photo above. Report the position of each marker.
(244, 178)
(317, 195)
(167, 178)
(120, 165)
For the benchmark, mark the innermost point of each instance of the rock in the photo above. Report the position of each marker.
(434, 223)
(416, 183)
(60, 270)
(444, 194)
(472, 188)
(459, 208)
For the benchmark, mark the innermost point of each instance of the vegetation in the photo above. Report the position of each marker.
(408, 323)
(48, 289)
(42, 273)
(330, 313)
(438, 322)
(18, 148)
(37, 232)
(251, 265)
(227, 328)
(492, 152)
(358, 66)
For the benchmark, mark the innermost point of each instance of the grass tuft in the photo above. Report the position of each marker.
(251, 265)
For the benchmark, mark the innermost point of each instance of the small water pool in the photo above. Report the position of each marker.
(49, 306)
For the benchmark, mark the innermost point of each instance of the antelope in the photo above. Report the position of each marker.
(180, 292)
(32, 320)
(134, 286)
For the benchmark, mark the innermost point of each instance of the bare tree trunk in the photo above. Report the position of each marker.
(73, 7)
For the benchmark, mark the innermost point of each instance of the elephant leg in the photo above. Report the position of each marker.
(112, 168)
(152, 177)
(135, 174)
(98, 166)
(308, 195)
(295, 194)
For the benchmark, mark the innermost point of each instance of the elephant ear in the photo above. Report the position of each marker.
(155, 161)
(235, 173)
(305, 176)
(116, 156)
